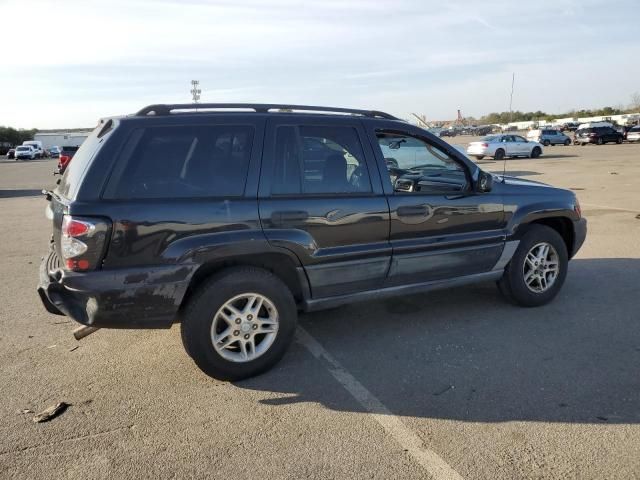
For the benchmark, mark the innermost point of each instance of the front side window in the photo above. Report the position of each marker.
(319, 160)
(416, 166)
(183, 162)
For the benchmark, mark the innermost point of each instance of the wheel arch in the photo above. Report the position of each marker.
(561, 224)
(279, 264)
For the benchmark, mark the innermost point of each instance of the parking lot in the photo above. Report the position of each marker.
(450, 384)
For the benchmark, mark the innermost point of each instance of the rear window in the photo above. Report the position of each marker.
(182, 162)
(70, 149)
(635, 129)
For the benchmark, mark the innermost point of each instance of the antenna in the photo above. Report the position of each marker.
(195, 91)
(504, 160)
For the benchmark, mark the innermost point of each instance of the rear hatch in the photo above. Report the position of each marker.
(65, 194)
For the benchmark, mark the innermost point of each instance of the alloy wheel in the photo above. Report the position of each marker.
(244, 327)
(541, 267)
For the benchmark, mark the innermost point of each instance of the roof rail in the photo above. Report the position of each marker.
(166, 109)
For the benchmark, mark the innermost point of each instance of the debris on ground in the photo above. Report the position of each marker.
(74, 348)
(25, 411)
(613, 173)
(51, 412)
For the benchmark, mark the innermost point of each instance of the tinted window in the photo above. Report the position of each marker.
(183, 162)
(635, 129)
(319, 160)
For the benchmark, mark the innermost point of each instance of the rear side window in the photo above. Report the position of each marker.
(70, 182)
(183, 162)
(319, 160)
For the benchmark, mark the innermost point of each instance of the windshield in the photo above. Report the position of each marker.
(22, 149)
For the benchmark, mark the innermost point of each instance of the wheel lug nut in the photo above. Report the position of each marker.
(236, 332)
(246, 337)
(238, 320)
(255, 326)
(249, 317)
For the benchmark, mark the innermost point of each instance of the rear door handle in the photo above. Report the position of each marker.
(289, 217)
(413, 211)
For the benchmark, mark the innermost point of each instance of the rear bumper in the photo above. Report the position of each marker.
(124, 298)
(579, 234)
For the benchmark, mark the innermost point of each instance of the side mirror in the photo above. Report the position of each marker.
(485, 182)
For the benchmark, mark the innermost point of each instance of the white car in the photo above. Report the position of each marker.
(25, 151)
(505, 145)
(633, 135)
(37, 147)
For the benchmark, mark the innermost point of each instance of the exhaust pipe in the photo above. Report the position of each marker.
(84, 331)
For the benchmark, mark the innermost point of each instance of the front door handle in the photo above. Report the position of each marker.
(413, 211)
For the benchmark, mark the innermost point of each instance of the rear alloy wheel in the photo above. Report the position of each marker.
(567, 142)
(536, 152)
(499, 155)
(239, 323)
(546, 143)
(537, 270)
(619, 140)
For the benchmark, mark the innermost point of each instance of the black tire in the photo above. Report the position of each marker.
(567, 142)
(211, 296)
(499, 155)
(479, 157)
(546, 143)
(599, 141)
(512, 284)
(619, 140)
(536, 152)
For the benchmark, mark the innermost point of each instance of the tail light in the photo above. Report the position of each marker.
(64, 159)
(82, 242)
(484, 145)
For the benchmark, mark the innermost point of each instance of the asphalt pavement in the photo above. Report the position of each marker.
(450, 384)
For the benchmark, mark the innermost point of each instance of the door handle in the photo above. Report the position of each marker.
(289, 217)
(413, 210)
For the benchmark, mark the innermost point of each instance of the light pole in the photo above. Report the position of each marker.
(195, 91)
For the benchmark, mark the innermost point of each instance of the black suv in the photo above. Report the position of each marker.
(232, 218)
(598, 135)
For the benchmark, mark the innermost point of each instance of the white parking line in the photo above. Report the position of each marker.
(428, 459)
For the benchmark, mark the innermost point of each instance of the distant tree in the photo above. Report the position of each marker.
(635, 102)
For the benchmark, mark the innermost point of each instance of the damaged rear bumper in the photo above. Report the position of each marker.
(120, 298)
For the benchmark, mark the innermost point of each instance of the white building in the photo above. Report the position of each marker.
(61, 139)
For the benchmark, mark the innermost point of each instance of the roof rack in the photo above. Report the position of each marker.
(166, 109)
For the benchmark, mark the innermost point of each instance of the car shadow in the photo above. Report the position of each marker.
(20, 193)
(465, 354)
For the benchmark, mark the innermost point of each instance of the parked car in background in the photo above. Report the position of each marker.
(505, 145)
(448, 132)
(633, 135)
(11, 153)
(569, 127)
(24, 152)
(216, 220)
(65, 156)
(548, 137)
(37, 147)
(54, 152)
(598, 135)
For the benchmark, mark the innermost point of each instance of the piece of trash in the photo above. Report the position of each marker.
(577, 188)
(613, 173)
(74, 348)
(52, 346)
(61, 323)
(25, 411)
(30, 336)
(449, 387)
(51, 412)
(638, 216)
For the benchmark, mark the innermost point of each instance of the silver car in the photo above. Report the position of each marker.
(633, 135)
(548, 137)
(500, 146)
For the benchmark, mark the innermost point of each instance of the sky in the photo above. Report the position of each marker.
(67, 63)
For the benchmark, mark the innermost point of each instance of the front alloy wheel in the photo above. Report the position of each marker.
(540, 268)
